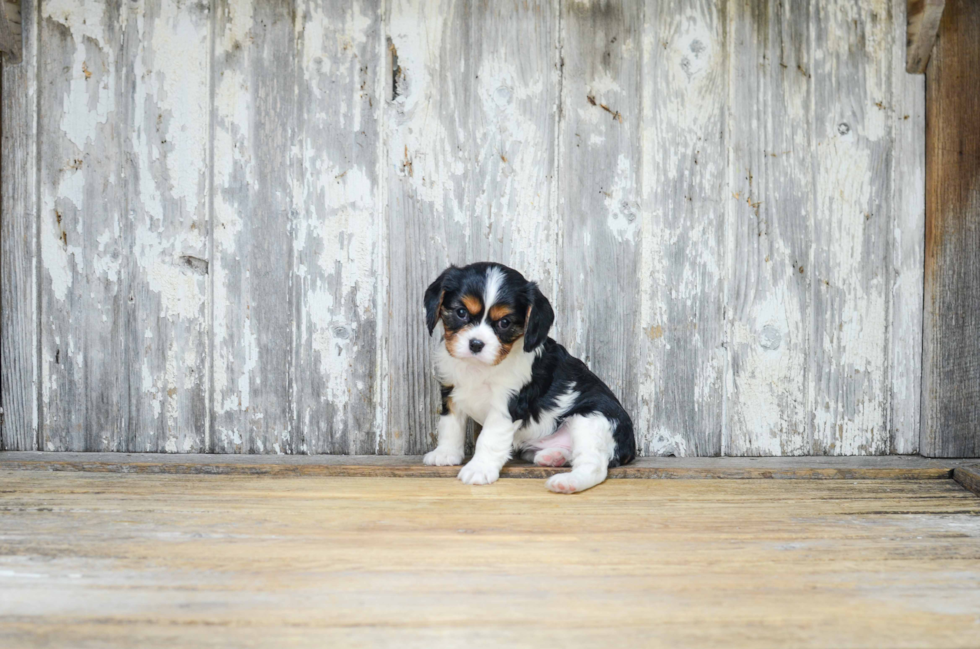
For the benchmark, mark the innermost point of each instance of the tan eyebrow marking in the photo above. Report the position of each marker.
(499, 311)
(472, 304)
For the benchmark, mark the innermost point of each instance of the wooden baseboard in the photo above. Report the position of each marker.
(968, 477)
(732, 468)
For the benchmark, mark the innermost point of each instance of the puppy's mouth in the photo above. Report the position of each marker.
(469, 346)
(476, 358)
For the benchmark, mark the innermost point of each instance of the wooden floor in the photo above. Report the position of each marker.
(122, 560)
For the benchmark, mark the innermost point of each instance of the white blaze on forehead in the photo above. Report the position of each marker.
(495, 279)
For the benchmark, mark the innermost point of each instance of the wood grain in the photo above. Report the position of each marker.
(165, 165)
(969, 477)
(951, 356)
(922, 28)
(124, 226)
(769, 227)
(338, 241)
(86, 231)
(682, 336)
(254, 108)
(19, 246)
(852, 224)
(599, 215)
(471, 128)
(117, 560)
(908, 187)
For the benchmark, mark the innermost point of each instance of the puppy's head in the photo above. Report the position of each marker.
(485, 310)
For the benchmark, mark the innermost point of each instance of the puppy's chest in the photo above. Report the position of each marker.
(477, 399)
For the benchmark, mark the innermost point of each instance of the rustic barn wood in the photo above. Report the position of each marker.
(852, 224)
(240, 204)
(86, 66)
(18, 245)
(123, 226)
(951, 354)
(166, 175)
(682, 337)
(905, 282)
(162, 561)
(255, 103)
(337, 237)
(599, 167)
(769, 227)
(922, 27)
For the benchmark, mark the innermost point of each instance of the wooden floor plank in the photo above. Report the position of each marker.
(120, 560)
(849, 468)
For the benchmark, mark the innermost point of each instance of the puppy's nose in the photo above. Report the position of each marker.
(476, 345)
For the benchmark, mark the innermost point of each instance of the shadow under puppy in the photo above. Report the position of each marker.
(498, 366)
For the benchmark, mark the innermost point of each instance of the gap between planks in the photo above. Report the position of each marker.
(806, 468)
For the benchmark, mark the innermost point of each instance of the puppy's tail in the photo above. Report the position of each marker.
(625, 451)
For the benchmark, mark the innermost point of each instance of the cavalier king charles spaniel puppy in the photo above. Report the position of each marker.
(498, 366)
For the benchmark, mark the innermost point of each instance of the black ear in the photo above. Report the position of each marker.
(540, 317)
(433, 298)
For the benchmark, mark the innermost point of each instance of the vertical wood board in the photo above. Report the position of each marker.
(123, 226)
(769, 231)
(255, 89)
(908, 213)
(18, 245)
(599, 214)
(682, 332)
(848, 276)
(951, 354)
(338, 250)
(86, 232)
(165, 165)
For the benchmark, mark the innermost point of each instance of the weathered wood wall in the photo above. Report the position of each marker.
(219, 218)
(951, 345)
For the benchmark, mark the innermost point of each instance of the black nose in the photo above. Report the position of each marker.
(476, 346)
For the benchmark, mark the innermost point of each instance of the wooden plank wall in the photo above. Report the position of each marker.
(239, 204)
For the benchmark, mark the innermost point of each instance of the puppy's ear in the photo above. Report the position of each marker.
(540, 317)
(433, 297)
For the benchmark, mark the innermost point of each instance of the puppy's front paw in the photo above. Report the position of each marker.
(478, 473)
(443, 457)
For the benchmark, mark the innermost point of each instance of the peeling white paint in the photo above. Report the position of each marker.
(467, 157)
(54, 257)
(622, 211)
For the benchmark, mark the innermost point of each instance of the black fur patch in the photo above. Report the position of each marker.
(553, 374)
(446, 391)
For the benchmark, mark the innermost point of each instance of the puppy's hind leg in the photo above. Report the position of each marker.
(592, 449)
(553, 450)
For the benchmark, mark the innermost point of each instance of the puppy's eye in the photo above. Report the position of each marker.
(504, 323)
(462, 313)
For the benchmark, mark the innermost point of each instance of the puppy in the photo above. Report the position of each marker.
(498, 366)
